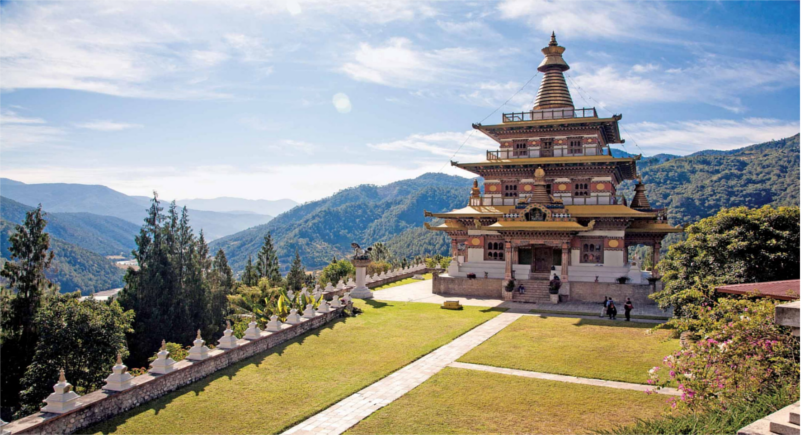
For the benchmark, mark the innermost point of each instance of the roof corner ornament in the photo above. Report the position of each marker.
(591, 225)
(427, 213)
(454, 163)
(477, 223)
(427, 225)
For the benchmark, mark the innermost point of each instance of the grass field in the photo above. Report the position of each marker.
(281, 387)
(401, 282)
(457, 401)
(600, 349)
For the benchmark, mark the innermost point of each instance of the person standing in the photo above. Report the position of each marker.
(612, 310)
(627, 307)
(603, 306)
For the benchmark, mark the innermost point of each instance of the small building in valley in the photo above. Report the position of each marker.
(550, 205)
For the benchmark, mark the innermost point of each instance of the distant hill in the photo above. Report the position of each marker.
(104, 235)
(364, 214)
(697, 186)
(228, 204)
(100, 200)
(73, 268)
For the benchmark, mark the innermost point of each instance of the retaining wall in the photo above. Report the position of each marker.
(595, 292)
(102, 405)
(478, 288)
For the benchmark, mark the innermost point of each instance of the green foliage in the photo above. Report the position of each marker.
(380, 253)
(419, 241)
(364, 214)
(170, 293)
(736, 416)
(736, 246)
(258, 303)
(83, 338)
(296, 279)
(332, 273)
(177, 352)
(221, 284)
(267, 261)
(378, 267)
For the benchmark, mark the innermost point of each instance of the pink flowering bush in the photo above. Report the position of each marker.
(739, 353)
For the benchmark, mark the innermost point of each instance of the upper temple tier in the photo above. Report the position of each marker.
(550, 204)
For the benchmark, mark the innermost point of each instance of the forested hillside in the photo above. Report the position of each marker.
(73, 268)
(364, 214)
(697, 186)
(104, 235)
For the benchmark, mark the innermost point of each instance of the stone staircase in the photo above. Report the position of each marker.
(536, 291)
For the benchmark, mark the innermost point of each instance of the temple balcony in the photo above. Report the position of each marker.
(543, 115)
(496, 200)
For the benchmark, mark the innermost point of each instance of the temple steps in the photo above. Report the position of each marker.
(536, 291)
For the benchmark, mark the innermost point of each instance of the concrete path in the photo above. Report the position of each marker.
(569, 379)
(351, 410)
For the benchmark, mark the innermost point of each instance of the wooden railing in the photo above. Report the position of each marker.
(540, 115)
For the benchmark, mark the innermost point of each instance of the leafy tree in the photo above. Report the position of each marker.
(267, 261)
(296, 278)
(83, 338)
(25, 274)
(380, 252)
(332, 273)
(738, 245)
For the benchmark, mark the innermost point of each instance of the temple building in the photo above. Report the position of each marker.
(550, 204)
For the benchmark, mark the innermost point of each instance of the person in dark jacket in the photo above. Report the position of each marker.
(611, 310)
(603, 307)
(627, 307)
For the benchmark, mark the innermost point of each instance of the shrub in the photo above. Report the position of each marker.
(445, 262)
(177, 352)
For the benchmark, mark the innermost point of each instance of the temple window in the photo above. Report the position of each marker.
(546, 148)
(535, 214)
(521, 148)
(581, 189)
(592, 251)
(575, 147)
(510, 189)
(494, 251)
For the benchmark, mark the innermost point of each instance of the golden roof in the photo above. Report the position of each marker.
(653, 227)
(539, 226)
(447, 226)
(613, 210)
(555, 121)
(474, 211)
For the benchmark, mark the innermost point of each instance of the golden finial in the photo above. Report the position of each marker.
(61, 378)
(163, 345)
(198, 334)
(539, 173)
(227, 324)
(475, 183)
(553, 39)
(119, 359)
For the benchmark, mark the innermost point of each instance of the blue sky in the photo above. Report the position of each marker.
(298, 99)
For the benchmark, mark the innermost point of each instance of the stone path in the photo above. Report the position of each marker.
(563, 378)
(351, 410)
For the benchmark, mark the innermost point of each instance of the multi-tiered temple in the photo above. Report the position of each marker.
(550, 197)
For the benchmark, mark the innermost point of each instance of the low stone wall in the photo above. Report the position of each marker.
(102, 405)
(595, 292)
(379, 283)
(477, 288)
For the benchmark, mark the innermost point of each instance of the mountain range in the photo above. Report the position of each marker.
(227, 204)
(101, 200)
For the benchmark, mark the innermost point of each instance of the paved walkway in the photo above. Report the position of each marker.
(564, 378)
(351, 410)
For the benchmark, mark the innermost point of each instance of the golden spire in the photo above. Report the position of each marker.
(539, 192)
(475, 191)
(640, 200)
(553, 92)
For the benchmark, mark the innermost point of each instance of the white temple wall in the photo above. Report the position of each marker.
(614, 258)
(475, 254)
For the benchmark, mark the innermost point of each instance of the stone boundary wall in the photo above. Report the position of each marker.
(379, 283)
(595, 292)
(101, 405)
(480, 287)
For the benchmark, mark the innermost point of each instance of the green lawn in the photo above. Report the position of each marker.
(401, 282)
(457, 401)
(281, 387)
(601, 349)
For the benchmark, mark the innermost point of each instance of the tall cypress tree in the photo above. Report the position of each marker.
(251, 276)
(296, 278)
(221, 282)
(25, 273)
(267, 261)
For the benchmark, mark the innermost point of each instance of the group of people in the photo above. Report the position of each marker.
(609, 308)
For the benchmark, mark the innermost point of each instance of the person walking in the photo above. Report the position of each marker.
(627, 307)
(603, 306)
(611, 310)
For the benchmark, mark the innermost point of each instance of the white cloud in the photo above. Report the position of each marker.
(291, 147)
(18, 131)
(595, 19)
(444, 144)
(687, 137)
(342, 103)
(398, 63)
(648, 67)
(101, 125)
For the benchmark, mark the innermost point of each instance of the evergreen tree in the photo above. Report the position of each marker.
(296, 279)
(194, 289)
(151, 292)
(25, 272)
(221, 282)
(380, 252)
(251, 276)
(267, 262)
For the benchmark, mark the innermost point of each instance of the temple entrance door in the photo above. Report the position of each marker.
(543, 260)
(524, 256)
